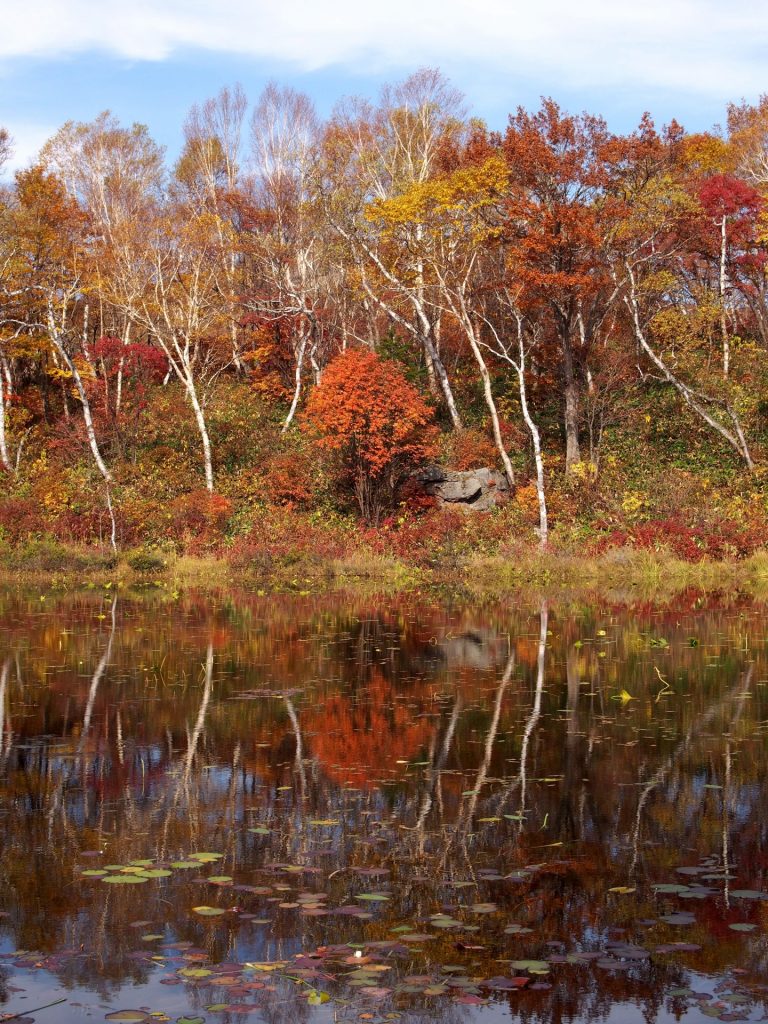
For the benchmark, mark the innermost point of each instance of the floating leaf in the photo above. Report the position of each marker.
(133, 1015)
(155, 873)
(93, 874)
(372, 897)
(195, 972)
(742, 927)
(532, 966)
(317, 998)
(681, 918)
(749, 894)
(220, 878)
(124, 879)
(623, 890)
(208, 911)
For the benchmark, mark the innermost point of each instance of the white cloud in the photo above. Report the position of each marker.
(697, 46)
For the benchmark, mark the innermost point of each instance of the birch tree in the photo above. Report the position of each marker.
(117, 176)
(372, 154)
(209, 170)
(457, 217)
(172, 275)
(646, 256)
(289, 252)
(50, 274)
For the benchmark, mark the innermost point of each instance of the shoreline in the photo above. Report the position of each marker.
(639, 573)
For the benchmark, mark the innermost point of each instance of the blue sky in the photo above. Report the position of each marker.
(148, 61)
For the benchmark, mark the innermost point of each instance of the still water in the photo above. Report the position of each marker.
(297, 808)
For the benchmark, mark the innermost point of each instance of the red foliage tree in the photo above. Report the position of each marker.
(375, 426)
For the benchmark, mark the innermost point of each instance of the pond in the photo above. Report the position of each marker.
(231, 807)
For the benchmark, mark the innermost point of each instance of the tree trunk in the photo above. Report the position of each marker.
(723, 317)
(693, 399)
(471, 332)
(571, 410)
(203, 428)
(4, 457)
(90, 432)
(302, 348)
(536, 439)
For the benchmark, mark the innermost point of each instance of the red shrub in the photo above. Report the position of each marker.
(373, 424)
(725, 539)
(471, 449)
(289, 480)
(200, 518)
(20, 519)
(283, 538)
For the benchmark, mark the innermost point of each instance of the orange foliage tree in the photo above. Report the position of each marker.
(373, 424)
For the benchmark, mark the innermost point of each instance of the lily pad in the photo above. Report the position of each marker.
(532, 966)
(681, 918)
(208, 911)
(124, 879)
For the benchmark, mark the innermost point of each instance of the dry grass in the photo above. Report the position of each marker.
(637, 573)
(623, 573)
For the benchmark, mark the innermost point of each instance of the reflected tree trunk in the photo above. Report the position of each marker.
(96, 681)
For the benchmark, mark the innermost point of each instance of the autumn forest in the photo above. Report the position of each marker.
(253, 352)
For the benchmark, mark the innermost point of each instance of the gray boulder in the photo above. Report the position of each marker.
(474, 490)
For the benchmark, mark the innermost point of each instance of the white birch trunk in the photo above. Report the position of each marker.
(535, 438)
(4, 456)
(694, 400)
(723, 317)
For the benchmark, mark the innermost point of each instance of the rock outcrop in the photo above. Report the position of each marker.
(474, 490)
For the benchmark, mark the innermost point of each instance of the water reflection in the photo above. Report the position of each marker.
(465, 787)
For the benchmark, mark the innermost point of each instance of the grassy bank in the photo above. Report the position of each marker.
(624, 571)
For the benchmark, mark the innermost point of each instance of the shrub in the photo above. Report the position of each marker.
(19, 519)
(374, 427)
(145, 561)
(199, 518)
(725, 539)
(288, 479)
(281, 538)
(470, 449)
